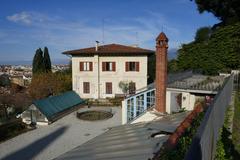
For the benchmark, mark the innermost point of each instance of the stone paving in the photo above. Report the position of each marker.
(48, 142)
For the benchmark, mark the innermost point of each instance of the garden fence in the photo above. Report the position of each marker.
(203, 146)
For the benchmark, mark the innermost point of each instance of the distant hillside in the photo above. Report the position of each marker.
(172, 53)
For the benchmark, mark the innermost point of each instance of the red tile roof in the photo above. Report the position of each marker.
(162, 36)
(111, 49)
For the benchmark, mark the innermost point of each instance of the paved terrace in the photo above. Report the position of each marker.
(131, 141)
(48, 142)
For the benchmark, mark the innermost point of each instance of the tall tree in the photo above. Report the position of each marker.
(4, 80)
(47, 60)
(38, 63)
(172, 66)
(220, 53)
(228, 11)
(47, 84)
(203, 34)
(151, 68)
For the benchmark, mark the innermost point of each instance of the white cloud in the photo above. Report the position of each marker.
(22, 17)
(61, 34)
(27, 18)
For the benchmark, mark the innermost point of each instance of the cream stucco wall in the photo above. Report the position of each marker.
(95, 77)
(188, 101)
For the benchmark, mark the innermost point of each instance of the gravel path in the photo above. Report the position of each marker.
(48, 142)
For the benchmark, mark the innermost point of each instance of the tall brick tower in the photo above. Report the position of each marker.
(161, 72)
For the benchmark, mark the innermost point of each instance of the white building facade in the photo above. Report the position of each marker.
(97, 71)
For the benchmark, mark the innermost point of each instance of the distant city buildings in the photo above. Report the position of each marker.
(22, 74)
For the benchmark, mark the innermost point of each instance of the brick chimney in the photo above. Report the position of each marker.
(161, 72)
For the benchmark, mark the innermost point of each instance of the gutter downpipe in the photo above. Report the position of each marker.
(70, 56)
(98, 79)
(96, 50)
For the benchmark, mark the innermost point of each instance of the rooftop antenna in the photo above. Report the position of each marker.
(103, 23)
(137, 39)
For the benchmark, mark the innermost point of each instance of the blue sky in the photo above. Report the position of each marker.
(63, 25)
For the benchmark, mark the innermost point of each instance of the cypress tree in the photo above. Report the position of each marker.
(38, 64)
(47, 60)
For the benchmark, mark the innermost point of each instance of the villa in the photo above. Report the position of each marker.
(97, 71)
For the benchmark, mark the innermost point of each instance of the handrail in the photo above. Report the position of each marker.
(141, 114)
(134, 95)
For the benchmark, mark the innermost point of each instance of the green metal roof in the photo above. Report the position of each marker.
(52, 105)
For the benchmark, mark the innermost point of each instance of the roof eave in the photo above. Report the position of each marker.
(109, 53)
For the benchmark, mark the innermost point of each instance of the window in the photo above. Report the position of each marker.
(86, 87)
(139, 104)
(108, 87)
(150, 99)
(132, 66)
(132, 88)
(86, 66)
(130, 109)
(108, 66)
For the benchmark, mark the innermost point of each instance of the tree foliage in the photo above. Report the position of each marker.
(38, 64)
(47, 60)
(44, 85)
(47, 83)
(172, 66)
(203, 34)
(41, 62)
(220, 53)
(124, 86)
(151, 68)
(228, 11)
(236, 125)
(4, 80)
(18, 99)
(5, 102)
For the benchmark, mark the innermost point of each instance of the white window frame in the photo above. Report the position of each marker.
(86, 66)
